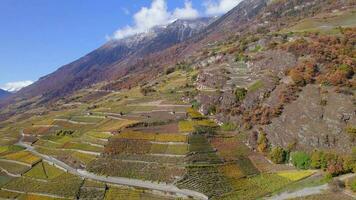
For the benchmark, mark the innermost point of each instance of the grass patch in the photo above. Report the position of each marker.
(327, 24)
(296, 175)
(228, 127)
(86, 119)
(255, 86)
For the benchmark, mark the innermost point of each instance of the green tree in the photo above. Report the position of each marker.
(240, 94)
(300, 159)
(317, 160)
(278, 155)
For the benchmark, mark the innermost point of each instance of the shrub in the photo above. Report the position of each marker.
(212, 110)
(169, 70)
(208, 130)
(300, 159)
(241, 58)
(318, 160)
(262, 142)
(303, 73)
(346, 70)
(195, 104)
(349, 162)
(352, 132)
(352, 184)
(278, 155)
(194, 114)
(240, 94)
(146, 90)
(65, 133)
(228, 126)
(335, 166)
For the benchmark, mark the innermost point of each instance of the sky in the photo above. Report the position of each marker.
(39, 36)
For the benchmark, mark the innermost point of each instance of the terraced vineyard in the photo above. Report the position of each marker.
(156, 138)
(185, 149)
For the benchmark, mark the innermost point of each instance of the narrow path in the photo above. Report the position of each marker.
(300, 193)
(74, 122)
(116, 180)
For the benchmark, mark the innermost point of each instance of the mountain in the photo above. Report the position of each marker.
(236, 107)
(113, 58)
(4, 93)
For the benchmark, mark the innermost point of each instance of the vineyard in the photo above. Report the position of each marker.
(136, 170)
(22, 156)
(64, 185)
(44, 171)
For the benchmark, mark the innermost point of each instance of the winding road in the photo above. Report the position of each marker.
(168, 188)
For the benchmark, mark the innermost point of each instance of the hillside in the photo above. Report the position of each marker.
(256, 103)
(4, 93)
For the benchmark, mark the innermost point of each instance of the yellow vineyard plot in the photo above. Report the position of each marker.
(23, 156)
(188, 126)
(296, 175)
(136, 135)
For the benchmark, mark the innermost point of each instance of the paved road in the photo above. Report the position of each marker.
(115, 180)
(310, 190)
(300, 193)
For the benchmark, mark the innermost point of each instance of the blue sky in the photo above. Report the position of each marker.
(39, 36)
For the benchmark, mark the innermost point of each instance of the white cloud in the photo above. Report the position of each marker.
(217, 7)
(188, 12)
(156, 14)
(15, 86)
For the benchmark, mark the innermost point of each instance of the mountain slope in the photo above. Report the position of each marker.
(4, 93)
(101, 64)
